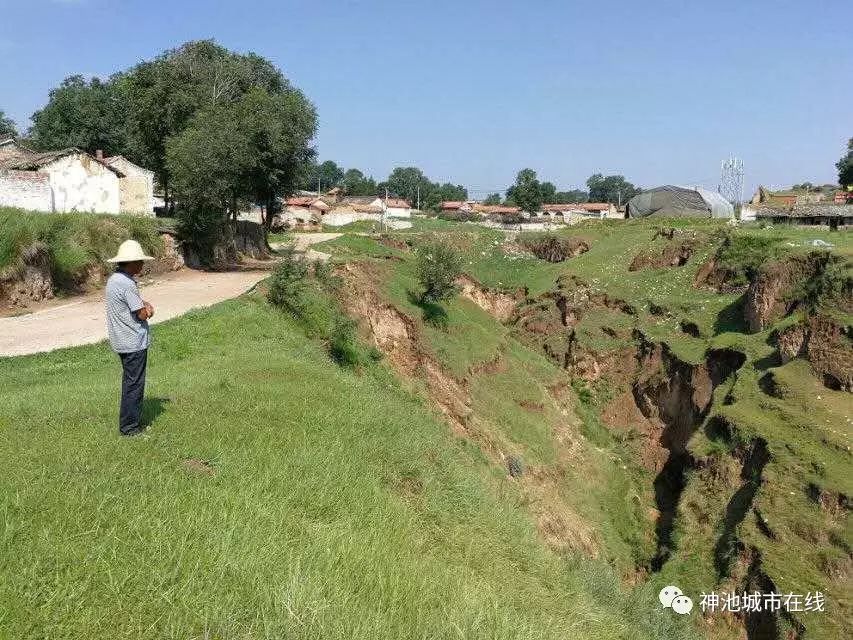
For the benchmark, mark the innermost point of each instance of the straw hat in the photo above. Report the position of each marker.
(130, 251)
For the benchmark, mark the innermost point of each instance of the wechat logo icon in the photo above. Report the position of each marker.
(672, 597)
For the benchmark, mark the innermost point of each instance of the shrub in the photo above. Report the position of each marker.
(459, 216)
(288, 281)
(511, 218)
(438, 266)
(325, 276)
(344, 346)
(200, 230)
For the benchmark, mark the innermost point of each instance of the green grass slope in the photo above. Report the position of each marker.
(277, 495)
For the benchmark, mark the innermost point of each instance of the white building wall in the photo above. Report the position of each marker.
(398, 212)
(133, 170)
(26, 190)
(81, 183)
(341, 219)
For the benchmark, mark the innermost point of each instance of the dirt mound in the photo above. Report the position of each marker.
(770, 294)
(553, 249)
(674, 254)
(31, 280)
(826, 344)
(497, 303)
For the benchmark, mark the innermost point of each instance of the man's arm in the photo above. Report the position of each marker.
(138, 307)
(146, 312)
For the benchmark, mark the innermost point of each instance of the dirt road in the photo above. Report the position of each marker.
(302, 242)
(81, 320)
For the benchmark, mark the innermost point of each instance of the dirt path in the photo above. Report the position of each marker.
(302, 242)
(81, 320)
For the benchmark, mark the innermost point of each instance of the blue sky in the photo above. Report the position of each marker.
(471, 91)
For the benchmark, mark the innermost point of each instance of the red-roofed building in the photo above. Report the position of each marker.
(583, 209)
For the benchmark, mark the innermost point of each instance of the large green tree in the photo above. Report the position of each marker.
(162, 96)
(230, 154)
(7, 127)
(845, 167)
(405, 182)
(614, 189)
(324, 175)
(549, 192)
(570, 197)
(492, 199)
(355, 183)
(89, 115)
(526, 192)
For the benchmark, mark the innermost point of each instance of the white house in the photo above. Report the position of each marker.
(398, 208)
(57, 181)
(136, 188)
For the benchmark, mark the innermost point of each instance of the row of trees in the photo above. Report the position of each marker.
(403, 182)
(530, 194)
(219, 129)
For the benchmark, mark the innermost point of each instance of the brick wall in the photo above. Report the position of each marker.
(26, 189)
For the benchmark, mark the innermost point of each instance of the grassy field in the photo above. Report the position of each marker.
(277, 495)
(807, 426)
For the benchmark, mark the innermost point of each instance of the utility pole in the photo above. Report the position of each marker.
(385, 212)
(419, 197)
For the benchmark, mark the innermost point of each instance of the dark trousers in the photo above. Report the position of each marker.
(132, 389)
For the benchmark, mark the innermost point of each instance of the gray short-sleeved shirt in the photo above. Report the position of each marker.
(127, 332)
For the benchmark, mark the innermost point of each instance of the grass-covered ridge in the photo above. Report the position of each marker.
(278, 495)
(73, 242)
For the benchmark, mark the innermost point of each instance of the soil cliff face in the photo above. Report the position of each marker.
(499, 304)
(674, 254)
(32, 282)
(769, 296)
(826, 344)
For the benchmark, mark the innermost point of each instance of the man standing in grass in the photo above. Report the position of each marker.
(127, 326)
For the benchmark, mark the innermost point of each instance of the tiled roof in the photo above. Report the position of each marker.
(32, 161)
(397, 203)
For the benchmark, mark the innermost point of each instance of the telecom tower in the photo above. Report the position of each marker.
(731, 180)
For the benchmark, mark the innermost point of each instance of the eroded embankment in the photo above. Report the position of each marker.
(675, 396)
(400, 338)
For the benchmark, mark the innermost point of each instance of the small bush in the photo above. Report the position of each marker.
(511, 218)
(323, 271)
(459, 216)
(344, 346)
(288, 282)
(438, 266)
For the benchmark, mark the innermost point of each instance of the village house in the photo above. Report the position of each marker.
(57, 181)
(136, 188)
(398, 208)
(495, 209)
(456, 205)
(833, 216)
(576, 211)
